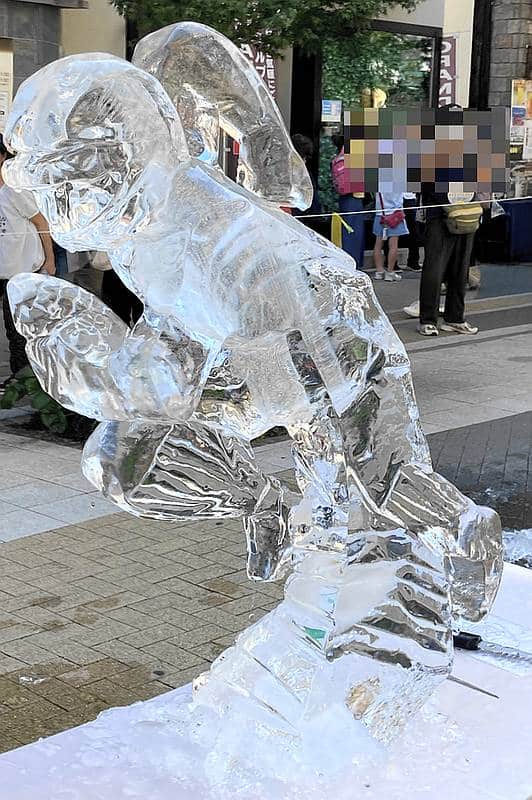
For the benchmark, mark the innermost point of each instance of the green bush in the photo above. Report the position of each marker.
(52, 415)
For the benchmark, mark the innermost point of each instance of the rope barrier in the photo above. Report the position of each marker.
(342, 214)
(409, 208)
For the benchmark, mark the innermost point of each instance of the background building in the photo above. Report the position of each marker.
(97, 28)
(30, 34)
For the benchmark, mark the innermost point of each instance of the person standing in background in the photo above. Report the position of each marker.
(25, 246)
(447, 257)
(410, 203)
(389, 224)
(353, 243)
(304, 146)
(114, 293)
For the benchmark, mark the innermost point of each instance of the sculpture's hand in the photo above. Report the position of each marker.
(88, 360)
(430, 506)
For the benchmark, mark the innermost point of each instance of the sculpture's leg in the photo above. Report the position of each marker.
(364, 628)
(190, 473)
(388, 456)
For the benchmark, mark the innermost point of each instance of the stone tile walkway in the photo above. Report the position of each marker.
(491, 463)
(112, 611)
(99, 609)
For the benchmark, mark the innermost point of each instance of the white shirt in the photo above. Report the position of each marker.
(21, 249)
(409, 195)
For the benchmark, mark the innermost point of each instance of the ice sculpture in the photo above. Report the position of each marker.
(251, 321)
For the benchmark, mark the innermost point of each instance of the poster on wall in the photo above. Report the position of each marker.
(331, 111)
(521, 121)
(5, 97)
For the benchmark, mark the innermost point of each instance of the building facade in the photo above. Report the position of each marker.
(97, 28)
(30, 34)
(511, 41)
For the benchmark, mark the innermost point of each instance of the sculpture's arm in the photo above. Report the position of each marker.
(88, 360)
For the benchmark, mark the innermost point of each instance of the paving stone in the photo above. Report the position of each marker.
(181, 677)
(178, 619)
(135, 619)
(227, 587)
(156, 633)
(172, 570)
(112, 694)
(120, 651)
(171, 654)
(18, 631)
(115, 601)
(188, 640)
(137, 585)
(141, 676)
(149, 690)
(27, 653)
(209, 651)
(107, 630)
(492, 463)
(83, 676)
(72, 651)
(66, 697)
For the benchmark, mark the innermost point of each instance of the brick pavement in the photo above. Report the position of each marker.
(112, 611)
(492, 463)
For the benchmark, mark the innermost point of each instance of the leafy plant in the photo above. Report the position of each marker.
(397, 64)
(52, 415)
(267, 24)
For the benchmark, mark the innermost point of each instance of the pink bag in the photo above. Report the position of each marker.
(338, 173)
(391, 220)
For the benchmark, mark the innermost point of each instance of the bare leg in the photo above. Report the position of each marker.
(378, 255)
(392, 253)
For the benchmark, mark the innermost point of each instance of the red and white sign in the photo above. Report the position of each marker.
(448, 71)
(265, 66)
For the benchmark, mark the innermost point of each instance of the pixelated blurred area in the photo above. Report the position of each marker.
(426, 150)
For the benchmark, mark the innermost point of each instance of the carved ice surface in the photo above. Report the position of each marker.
(251, 321)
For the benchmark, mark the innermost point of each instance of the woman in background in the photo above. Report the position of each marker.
(348, 202)
(389, 224)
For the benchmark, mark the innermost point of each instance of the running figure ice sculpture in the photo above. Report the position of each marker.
(251, 321)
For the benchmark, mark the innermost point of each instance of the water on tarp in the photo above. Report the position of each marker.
(518, 547)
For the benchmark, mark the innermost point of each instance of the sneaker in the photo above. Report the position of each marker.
(5, 383)
(379, 276)
(414, 267)
(392, 276)
(459, 327)
(412, 310)
(428, 330)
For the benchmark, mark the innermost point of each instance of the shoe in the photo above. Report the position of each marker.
(428, 330)
(414, 267)
(412, 310)
(5, 383)
(459, 327)
(392, 276)
(379, 276)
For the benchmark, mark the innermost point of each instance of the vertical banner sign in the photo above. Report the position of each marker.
(448, 71)
(6, 83)
(265, 66)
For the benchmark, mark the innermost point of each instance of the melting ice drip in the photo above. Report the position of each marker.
(251, 321)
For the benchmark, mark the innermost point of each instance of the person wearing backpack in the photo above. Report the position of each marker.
(353, 238)
(451, 224)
